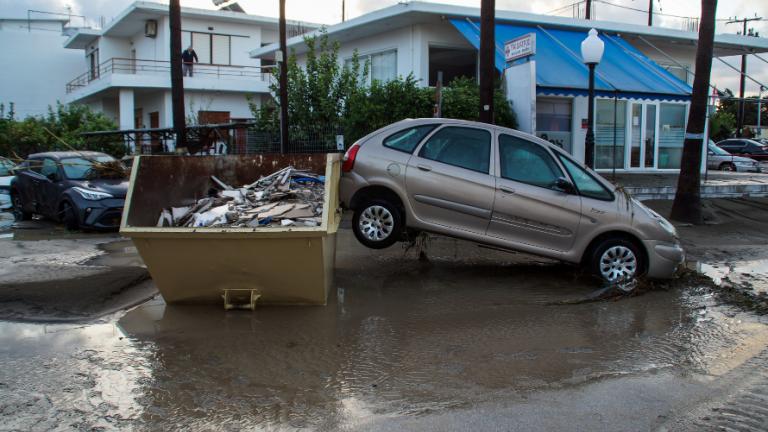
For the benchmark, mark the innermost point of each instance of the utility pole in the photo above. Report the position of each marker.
(177, 78)
(589, 9)
(283, 60)
(343, 10)
(687, 204)
(740, 114)
(487, 57)
(650, 13)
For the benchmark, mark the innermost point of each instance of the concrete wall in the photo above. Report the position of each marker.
(235, 104)
(36, 70)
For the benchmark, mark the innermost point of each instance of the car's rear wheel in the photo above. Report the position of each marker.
(617, 261)
(18, 208)
(727, 166)
(68, 216)
(377, 224)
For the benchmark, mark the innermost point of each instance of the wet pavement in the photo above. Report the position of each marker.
(469, 339)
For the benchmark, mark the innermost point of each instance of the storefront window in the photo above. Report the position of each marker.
(553, 121)
(610, 130)
(671, 135)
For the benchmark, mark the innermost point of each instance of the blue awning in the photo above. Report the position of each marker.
(559, 70)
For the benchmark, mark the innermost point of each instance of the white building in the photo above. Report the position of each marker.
(125, 67)
(645, 73)
(36, 68)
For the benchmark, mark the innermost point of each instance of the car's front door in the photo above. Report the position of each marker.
(530, 208)
(48, 187)
(448, 180)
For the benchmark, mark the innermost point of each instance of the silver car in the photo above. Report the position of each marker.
(719, 159)
(504, 188)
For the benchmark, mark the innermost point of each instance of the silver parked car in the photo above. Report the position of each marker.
(500, 187)
(719, 159)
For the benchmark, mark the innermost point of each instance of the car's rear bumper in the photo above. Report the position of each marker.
(664, 258)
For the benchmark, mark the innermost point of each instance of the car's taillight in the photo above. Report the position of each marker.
(349, 158)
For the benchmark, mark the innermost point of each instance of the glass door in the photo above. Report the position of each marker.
(650, 136)
(636, 142)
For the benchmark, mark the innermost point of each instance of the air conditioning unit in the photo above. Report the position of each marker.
(150, 28)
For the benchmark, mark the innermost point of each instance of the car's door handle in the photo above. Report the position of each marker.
(507, 190)
(424, 167)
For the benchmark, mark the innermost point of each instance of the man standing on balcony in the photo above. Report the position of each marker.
(188, 58)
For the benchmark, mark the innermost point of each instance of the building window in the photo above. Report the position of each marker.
(553, 121)
(671, 135)
(210, 48)
(610, 130)
(93, 65)
(453, 63)
(383, 65)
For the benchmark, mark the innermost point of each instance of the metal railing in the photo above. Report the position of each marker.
(127, 66)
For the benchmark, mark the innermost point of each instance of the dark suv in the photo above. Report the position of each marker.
(81, 189)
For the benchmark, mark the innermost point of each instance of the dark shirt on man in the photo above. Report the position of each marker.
(188, 55)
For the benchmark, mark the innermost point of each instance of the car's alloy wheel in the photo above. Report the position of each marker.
(727, 167)
(617, 261)
(377, 224)
(18, 210)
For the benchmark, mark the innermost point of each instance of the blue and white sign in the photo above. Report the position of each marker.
(520, 47)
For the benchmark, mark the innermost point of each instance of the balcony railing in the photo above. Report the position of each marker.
(127, 66)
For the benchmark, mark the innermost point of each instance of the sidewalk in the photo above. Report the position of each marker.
(718, 184)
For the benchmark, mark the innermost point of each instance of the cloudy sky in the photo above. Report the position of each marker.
(329, 12)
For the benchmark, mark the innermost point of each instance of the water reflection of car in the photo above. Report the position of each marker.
(6, 175)
(81, 189)
(719, 159)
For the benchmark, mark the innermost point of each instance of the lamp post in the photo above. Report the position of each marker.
(591, 53)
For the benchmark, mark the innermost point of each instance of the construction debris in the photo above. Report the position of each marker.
(285, 198)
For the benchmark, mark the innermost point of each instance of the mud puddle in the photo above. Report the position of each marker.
(399, 338)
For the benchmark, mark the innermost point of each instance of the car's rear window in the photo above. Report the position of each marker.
(5, 167)
(407, 139)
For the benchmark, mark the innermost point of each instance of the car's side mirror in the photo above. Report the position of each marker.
(562, 184)
(54, 177)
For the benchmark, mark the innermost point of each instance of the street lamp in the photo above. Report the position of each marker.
(591, 53)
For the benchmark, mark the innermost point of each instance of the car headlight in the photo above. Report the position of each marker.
(91, 195)
(663, 223)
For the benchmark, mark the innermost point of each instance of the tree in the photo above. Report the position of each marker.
(722, 125)
(687, 204)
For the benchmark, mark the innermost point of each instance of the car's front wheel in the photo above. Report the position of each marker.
(617, 260)
(377, 224)
(727, 166)
(68, 216)
(18, 208)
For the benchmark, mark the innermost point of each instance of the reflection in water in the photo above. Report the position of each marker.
(397, 338)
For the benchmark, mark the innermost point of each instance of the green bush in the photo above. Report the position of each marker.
(58, 130)
(325, 95)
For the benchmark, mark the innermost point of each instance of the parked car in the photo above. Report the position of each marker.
(6, 175)
(719, 159)
(500, 187)
(71, 187)
(745, 147)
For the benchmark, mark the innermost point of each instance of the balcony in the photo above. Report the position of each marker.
(157, 73)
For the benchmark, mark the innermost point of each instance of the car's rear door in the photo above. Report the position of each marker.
(449, 181)
(529, 209)
(49, 187)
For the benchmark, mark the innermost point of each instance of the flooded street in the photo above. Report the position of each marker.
(470, 338)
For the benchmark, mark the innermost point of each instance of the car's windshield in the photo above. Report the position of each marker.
(718, 151)
(79, 168)
(5, 167)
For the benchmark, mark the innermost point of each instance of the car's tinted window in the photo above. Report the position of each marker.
(754, 146)
(48, 167)
(406, 140)
(80, 168)
(526, 162)
(585, 183)
(460, 146)
(5, 167)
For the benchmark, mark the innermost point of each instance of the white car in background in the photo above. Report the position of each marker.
(5, 182)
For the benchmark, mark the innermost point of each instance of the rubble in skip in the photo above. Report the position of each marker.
(286, 198)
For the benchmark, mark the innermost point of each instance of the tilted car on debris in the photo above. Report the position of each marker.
(500, 187)
(82, 189)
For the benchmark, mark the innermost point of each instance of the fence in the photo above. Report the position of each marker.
(224, 139)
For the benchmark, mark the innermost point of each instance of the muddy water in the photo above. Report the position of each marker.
(400, 337)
